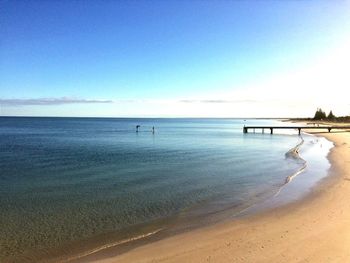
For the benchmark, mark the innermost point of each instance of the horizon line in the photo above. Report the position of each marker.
(133, 117)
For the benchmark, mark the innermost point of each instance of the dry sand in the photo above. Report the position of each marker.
(315, 229)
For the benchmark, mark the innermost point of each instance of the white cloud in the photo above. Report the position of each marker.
(49, 101)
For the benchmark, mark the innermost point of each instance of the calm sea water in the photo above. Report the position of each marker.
(66, 180)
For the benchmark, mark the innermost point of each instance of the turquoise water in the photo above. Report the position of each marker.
(68, 180)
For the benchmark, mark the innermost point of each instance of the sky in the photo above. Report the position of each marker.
(174, 58)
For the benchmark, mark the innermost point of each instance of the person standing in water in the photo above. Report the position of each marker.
(153, 129)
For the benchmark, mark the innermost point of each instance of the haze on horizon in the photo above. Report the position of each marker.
(174, 58)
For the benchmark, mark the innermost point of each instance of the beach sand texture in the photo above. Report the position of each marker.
(315, 229)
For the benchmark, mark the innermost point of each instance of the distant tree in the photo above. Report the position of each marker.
(319, 114)
(331, 116)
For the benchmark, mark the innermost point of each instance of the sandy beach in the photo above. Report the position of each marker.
(315, 229)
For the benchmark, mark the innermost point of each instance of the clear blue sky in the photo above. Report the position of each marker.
(130, 58)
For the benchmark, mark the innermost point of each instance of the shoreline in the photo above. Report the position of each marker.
(248, 239)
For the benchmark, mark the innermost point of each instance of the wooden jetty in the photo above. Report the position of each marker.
(299, 128)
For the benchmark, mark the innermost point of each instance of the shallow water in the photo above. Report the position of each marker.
(65, 180)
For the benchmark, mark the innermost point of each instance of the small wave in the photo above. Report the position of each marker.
(113, 244)
(294, 153)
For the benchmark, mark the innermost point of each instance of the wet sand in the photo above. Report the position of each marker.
(315, 229)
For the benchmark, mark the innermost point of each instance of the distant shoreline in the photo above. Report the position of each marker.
(311, 120)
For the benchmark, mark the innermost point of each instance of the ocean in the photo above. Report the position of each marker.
(72, 186)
